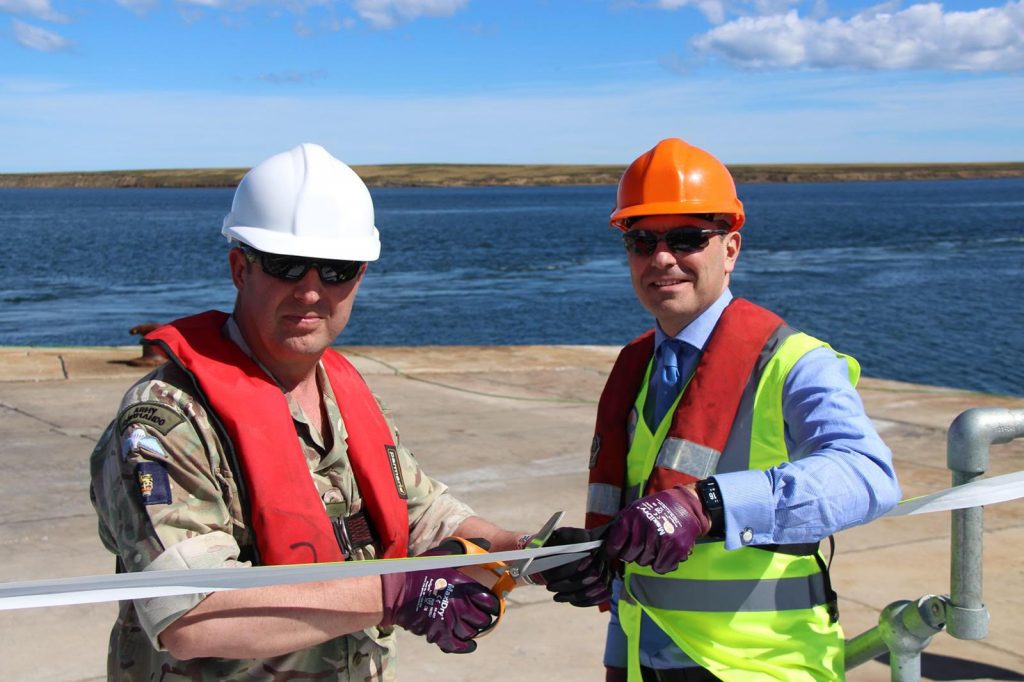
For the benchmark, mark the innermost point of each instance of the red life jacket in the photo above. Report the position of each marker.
(286, 513)
(705, 412)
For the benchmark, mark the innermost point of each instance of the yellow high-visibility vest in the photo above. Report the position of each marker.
(747, 614)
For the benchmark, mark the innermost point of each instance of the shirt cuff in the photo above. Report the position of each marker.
(749, 514)
(211, 550)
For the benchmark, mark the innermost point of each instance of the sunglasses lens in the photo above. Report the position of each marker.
(284, 267)
(682, 240)
(640, 242)
(685, 241)
(335, 271)
(293, 269)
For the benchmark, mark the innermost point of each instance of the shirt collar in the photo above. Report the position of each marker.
(697, 332)
(234, 334)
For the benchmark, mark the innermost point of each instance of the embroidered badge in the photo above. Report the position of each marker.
(139, 441)
(154, 483)
(161, 417)
(396, 471)
(595, 450)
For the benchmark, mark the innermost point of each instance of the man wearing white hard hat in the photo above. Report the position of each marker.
(209, 460)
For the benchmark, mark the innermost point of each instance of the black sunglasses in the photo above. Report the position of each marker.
(293, 268)
(679, 240)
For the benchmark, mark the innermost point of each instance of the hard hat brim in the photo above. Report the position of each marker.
(677, 207)
(269, 241)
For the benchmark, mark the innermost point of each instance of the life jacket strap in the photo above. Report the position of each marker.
(354, 532)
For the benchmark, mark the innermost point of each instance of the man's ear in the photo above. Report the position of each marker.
(239, 265)
(733, 241)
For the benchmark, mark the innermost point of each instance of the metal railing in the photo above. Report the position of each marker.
(905, 628)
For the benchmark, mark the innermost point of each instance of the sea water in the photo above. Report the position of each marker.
(922, 281)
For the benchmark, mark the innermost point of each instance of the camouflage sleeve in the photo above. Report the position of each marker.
(434, 513)
(163, 497)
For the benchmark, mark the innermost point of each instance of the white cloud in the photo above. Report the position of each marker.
(713, 10)
(388, 13)
(37, 9)
(919, 37)
(382, 14)
(780, 6)
(36, 38)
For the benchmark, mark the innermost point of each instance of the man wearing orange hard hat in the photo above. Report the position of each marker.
(728, 445)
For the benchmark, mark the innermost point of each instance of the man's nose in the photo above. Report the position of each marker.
(663, 256)
(308, 288)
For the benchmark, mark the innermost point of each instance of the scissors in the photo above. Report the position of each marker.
(501, 577)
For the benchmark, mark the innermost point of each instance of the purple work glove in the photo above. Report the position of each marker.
(658, 530)
(444, 604)
(584, 582)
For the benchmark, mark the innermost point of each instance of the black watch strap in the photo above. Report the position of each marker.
(711, 499)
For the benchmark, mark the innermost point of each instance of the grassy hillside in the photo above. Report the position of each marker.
(465, 175)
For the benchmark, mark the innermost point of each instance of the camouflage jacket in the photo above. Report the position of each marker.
(161, 448)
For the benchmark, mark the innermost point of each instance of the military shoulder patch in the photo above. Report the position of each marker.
(161, 417)
(154, 483)
(396, 471)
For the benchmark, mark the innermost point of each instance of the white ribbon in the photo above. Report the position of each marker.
(148, 584)
(977, 493)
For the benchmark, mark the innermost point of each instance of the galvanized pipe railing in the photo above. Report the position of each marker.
(967, 449)
(906, 628)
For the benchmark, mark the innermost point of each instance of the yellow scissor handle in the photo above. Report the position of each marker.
(494, 576)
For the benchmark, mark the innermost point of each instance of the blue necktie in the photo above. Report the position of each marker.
(677, 359)
(666, 381)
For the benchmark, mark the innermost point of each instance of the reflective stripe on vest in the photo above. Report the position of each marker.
(683, 594)
(603, 498)
(687, 457)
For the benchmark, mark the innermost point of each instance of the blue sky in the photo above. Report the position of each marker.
(123, 84)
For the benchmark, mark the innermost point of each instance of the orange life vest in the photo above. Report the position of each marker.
(286, 514)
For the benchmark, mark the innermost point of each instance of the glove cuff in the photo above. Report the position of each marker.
(691, 501)
(391, 587)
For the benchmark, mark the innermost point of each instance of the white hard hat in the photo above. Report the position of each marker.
(304, 202)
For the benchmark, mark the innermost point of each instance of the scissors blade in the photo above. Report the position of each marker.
(554, 561)
(518, 568)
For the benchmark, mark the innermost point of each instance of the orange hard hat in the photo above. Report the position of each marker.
(676, 177)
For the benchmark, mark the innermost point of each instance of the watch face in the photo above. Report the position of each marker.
(708, 490)
(711, 498)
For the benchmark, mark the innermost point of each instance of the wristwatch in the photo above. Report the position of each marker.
(711, 499)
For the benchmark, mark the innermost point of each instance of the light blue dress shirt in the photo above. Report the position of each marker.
(839, 475)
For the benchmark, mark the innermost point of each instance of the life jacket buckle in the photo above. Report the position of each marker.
(353, 532)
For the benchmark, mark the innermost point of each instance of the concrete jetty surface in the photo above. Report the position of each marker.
(508, 429)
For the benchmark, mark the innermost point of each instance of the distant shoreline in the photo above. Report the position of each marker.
(504, 175)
